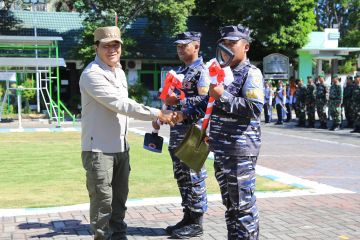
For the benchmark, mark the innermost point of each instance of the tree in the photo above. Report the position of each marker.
(62, 5)
(11, 22)
(278, 26)
(168, 16)
(345, 15)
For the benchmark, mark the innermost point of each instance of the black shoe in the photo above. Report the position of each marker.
(300, 125)
(278, 123)
(335, 128)
(188, 231)
(182, 223)
(356, 130)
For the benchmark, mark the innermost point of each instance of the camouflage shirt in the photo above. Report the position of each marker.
(355, 99)
(322, 94)
(336, 94)
(194, 77)
(310, 95)
(301, 95)
(235, 121)
(348, 91)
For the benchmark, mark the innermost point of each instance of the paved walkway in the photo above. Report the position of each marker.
(308, 217)
(323, 156)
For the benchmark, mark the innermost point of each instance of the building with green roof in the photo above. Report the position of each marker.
(145, 60)
(323, 46)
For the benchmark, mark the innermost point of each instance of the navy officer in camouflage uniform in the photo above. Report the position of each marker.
(348, 91)
(310, 102)
(335, 101)
(191, 184)
(322, 98)
(355, 101)
(235, 136)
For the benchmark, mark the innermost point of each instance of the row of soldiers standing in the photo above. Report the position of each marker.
(319, 96)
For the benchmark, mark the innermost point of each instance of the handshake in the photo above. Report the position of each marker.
(168, 117)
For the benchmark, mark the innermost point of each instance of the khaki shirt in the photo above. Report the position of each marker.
(106, 108)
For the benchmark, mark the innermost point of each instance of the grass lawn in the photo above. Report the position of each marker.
(45, 169)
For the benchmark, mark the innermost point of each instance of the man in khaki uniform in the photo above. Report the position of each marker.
(105, 150)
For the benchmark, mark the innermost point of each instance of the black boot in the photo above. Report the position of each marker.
(193, 229)
(356, 130)
(300, 124)
(184, 221)
(311, 125)
(335, 128)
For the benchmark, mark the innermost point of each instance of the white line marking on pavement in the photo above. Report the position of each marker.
(314, 139)
(312, 187)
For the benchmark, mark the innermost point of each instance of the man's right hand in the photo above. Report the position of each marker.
(167, 116)
(178, 116)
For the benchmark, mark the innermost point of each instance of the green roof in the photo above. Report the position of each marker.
(162, 47)
(68, 25)
(317, 42)
(56, 24)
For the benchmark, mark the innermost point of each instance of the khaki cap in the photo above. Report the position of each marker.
(107, 34)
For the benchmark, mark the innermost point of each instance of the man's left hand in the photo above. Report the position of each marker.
(216, 91)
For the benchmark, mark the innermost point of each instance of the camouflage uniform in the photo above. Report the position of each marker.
(300, 104)
(335, 100)
(294, 103)
(191, 184)
(235, 140)
(310, 104)
(268, 104)
(348, 91)
(322, 98)
(355, 100)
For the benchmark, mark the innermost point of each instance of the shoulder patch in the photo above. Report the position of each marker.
(254, 87)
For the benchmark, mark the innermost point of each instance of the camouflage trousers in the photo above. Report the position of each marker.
(310, 110)
(349, 113)
(335, 113)
(321, 111)
(296, 110)
(302, 115)
(236, 178)
(357, 118)
(267, 112)
(191, 185)
(107, 178)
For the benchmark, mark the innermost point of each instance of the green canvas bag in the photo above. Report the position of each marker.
(194, 149)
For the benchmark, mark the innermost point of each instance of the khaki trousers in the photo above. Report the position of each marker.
(107, 181)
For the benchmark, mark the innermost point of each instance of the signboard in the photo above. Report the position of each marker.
(276, 66)
(276, 76)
